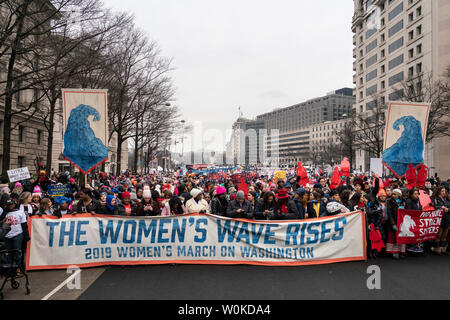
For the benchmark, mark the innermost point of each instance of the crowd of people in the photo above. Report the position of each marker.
(239, 196)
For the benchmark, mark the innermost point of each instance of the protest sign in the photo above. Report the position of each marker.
(18, 174)
(58, 190)
(405, 133)
(416, 226)
(87, 241)
(85, 114)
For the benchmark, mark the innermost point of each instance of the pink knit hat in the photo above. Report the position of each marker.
(220, 190)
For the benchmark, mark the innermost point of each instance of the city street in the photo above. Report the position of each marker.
(424, 278)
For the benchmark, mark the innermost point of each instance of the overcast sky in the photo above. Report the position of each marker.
(257, 54)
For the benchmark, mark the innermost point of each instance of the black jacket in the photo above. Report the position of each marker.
(290, 215)
(121, 211)
(413, 204)
(233, 206)
(322, 209)
(140, 210)
(219, 207)
(94, 206)
(260, 208)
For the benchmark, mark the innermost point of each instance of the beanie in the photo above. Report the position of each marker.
(240, 195)
(220, 190)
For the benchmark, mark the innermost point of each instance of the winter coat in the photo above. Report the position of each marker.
(300, 209)
(94, 206)
(333, 208)
(148, 213)
(322, 209)
(246, 206)
(121, 211)
(259, 210)
(193, 206)
(219, 207)
(4, 188)
(290, 215)
(166, 211)
(413, 204)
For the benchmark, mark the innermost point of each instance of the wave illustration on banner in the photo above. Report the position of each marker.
(81, 145)
(409, 147)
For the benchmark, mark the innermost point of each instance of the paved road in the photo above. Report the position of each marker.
(413, 278)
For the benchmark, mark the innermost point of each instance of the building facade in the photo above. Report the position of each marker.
(397, 41)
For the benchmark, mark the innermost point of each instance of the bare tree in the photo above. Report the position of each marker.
(140, 73)
(22, 26)
(421, 87)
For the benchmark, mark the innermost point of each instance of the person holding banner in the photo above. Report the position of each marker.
(440, 201)
(63, 206)
(239, 207)
(287, 209)
(126, 207)
(266, 207)
(87, 203)
(394, 203)
(197, 204)
(219, 203)
(24, 203)
(413, 203)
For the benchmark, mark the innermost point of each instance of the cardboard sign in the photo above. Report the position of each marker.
(58, 190)
(18, 174)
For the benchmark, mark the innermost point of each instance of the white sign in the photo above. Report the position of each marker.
(18, 174)
(87, 241)
(376, 166)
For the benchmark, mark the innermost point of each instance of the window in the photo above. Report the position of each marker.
(396, 28)
(395, 12)
(411, 17)
(419, 67)
(396, 78)
(411, 35)
(371, 46)
(419, 49)
(382, 54)
(411, 72)
(397, 95)
(411, 53)
(371, 75)
(395, 62)
(383, 84)
(396, 45)
(21, 162)
(419, 30)
(419, 11)
(17, 86)
(371, 61)
(361, 81)
(383, 22)
(383, 69)
(39, 136)
(371, 90)
(21, 133)
(383, 38)
(370, 32)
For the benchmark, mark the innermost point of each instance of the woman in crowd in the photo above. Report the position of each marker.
(413, 203)
(287, 210)
(174, 207)
(25, 203)
(301, 202)
(110, 206)
(87, 203)
(239, 207)
(63, 206)
(394, 203)
(219, 203)
(316, 206)
(45, 207)
(440, 201)
(266, 207)
(251, 197)
(197, 204)
(127, 207)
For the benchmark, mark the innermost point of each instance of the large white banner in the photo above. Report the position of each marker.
(85, 114)
(87, 241)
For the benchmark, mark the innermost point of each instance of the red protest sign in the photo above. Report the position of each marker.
(415, 226)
